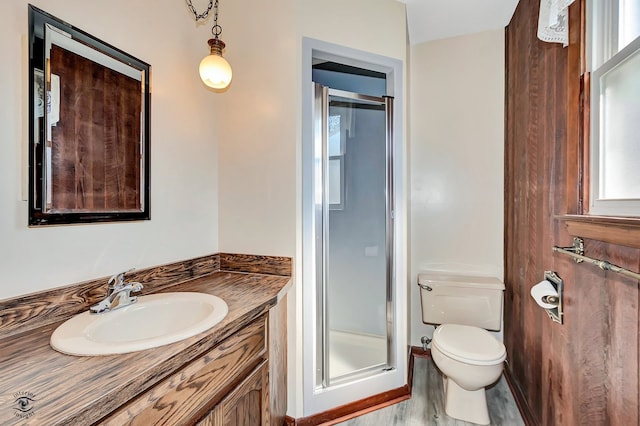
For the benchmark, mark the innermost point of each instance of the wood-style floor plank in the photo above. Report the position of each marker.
(426, 406)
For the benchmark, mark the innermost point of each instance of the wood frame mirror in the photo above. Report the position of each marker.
(89, 122)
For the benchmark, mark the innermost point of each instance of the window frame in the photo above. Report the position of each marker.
(602, 19)
(576, 220)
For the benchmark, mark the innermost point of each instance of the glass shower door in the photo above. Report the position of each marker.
(355, 224)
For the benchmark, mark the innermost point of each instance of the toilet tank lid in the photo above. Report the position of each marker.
(435, 279)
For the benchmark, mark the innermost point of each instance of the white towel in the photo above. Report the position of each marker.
(553, 21)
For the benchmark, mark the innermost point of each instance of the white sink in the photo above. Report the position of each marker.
(155, 320)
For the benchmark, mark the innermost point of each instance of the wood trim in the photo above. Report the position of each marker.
(410, 372)
(31, 311)
(333, 416)
(354, 409)
(256, 264)
(34, 310)
(277, 342)
(574, 143)
(366, 405)
(520, 399)
(585, 141)
(417, 351)
(584, 171)
(621, 231)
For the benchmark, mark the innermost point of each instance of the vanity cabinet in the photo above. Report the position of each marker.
(246, 405)
(228, 385)
(233, 374)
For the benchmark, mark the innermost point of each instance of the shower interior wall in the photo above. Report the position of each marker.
(357, 276)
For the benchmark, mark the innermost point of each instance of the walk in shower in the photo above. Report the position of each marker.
(354, 223)
(354, 343)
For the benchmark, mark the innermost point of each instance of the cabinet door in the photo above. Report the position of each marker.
(246, 405)
(181, 398)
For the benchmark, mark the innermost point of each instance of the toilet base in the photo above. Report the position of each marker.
(462, 404)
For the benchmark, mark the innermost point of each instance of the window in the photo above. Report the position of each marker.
(614, 61)
(336, 144)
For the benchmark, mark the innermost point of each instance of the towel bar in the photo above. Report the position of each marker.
(576, 251)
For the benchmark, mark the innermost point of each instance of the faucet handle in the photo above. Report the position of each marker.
(136, 286)
(117, 280)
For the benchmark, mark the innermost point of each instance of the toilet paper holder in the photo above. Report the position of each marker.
(556, 314)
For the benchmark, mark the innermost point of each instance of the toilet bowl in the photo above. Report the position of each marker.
(470, 359)
(468, 356)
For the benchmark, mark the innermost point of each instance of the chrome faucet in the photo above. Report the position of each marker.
(119, 294)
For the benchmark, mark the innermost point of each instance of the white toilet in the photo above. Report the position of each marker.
(469, 357)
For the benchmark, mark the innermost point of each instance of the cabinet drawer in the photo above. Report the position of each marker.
(185, 395)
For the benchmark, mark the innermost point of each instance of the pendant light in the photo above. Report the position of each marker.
(215, 71)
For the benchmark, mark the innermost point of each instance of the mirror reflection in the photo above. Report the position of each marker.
(89, 132)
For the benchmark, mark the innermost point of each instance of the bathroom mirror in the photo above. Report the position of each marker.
(89, 124)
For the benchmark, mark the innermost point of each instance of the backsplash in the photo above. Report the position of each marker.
(35, 310)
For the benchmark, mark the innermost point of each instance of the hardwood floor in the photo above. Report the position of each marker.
(426, 406)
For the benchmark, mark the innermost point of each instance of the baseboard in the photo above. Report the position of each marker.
(419, 352)
(363, 406)
(354, 409)
(376, 402)
(518, 396)
(416, 352)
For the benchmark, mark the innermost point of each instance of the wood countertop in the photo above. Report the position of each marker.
(66, 389)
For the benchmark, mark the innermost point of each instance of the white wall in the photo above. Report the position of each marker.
(247, 142)
(259, 120)
(375, 26)
(456, 149)
(183, 149)
(258, 128)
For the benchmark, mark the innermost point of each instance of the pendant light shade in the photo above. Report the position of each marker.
(215, 71)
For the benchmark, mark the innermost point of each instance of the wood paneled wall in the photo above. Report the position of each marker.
(585, 371)
(96, 144)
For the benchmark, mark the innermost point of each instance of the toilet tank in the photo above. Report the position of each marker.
(461, 299)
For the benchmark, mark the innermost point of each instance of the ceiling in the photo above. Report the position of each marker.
(436, 19)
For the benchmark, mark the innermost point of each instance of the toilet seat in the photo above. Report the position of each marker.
(468, 344)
